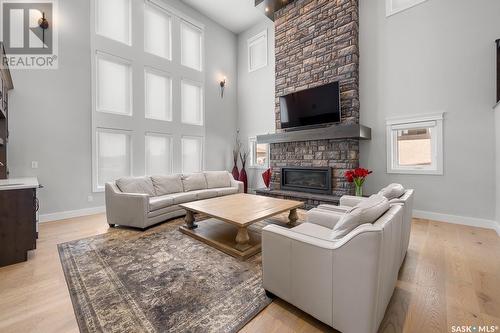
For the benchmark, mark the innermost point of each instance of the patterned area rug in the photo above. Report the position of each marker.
(160, 281)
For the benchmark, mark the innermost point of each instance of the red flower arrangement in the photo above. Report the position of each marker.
(357, 176)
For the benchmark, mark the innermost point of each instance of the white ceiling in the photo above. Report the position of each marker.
(235, 15)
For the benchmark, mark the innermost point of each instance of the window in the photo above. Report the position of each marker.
(114, 80)
(158, 95)
(158, 154)
(192, 154)
(395, 6)
(415, 145)
(257, 51)
(145, 89)
(113, 19)
(191, 46)
(192, 103)
(157, 30)
(113, 155)
(259, 154)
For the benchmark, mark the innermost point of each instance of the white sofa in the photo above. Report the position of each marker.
(346, 283)
(396, 195)
(143, 201)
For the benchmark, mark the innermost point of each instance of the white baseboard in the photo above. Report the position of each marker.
(455, 219)
(71, 214)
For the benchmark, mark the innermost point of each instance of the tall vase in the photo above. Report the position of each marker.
(243, 178)
(235, 172)
(359, 190)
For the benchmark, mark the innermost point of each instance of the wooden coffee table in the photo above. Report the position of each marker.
(227, 229)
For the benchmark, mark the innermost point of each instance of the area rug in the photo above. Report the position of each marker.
(159, 281)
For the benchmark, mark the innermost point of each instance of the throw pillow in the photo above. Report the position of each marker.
(392, 191)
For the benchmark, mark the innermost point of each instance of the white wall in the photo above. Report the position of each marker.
(255, 94)
(438, 56)
(50, 111)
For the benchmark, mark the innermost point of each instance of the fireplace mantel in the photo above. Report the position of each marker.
(341, 131)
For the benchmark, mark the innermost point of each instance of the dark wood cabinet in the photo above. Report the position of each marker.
(5, 86)
(17, 224)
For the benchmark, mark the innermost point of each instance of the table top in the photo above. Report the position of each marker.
(242, 209)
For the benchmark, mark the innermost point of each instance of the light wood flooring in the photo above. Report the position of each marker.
(451, 276)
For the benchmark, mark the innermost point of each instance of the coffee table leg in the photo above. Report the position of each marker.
(293, 216)
(242, 239)
(189, 219)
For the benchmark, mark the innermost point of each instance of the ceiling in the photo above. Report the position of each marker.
(235, 15)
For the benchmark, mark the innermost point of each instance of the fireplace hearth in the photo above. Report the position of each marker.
(311, 180)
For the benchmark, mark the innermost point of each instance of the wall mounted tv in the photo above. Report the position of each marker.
(310, 107)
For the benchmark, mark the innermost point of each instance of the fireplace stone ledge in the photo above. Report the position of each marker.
(310, 200)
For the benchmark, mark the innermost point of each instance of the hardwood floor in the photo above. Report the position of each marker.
(451, 276)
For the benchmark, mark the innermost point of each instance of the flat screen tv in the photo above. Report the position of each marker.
(310, 107)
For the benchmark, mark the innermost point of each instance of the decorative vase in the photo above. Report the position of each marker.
(266, 177)
(243, 178)
(359, 190)
(235, 172)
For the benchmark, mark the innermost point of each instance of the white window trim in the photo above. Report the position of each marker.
(96, 27)
(435, 120)
(252, 143)
(389, 11)
(250, 42)
(202, 151)
(154, 71)
(202, 102)
(95, 152)
(168, 13)
(163, 135)
(115, 59)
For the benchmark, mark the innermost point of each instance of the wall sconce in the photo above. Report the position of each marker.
(222, 86)
(43, 23)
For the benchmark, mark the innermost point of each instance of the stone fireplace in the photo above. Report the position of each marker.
(317, 43)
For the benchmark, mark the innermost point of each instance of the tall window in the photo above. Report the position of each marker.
(415, 145)
(113, 151)
(259, 154)
(148, 94)
(257, 51)
(192, 154)
(158, 154)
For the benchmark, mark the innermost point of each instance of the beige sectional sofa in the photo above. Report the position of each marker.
(143, 201)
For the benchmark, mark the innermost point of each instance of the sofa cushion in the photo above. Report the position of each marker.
(160, 202)
(372, 208)
(180, 198)
(167, 184)
(163, 211)
(205, 194)
(194, 181)
(392, 191)
(142, 185)
(313, 230)
(225, 191)
(367, 211)
(216, 179)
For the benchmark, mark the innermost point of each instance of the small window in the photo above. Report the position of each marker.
(259, 154)
(257, 51)
(158, 91)
(113, 20)
(157, 32)
(114, 92)
(158, 154)
(192, 154)
(192, 103)
(191, 46)
(113, 155)
(415, 145)
(395, 6)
